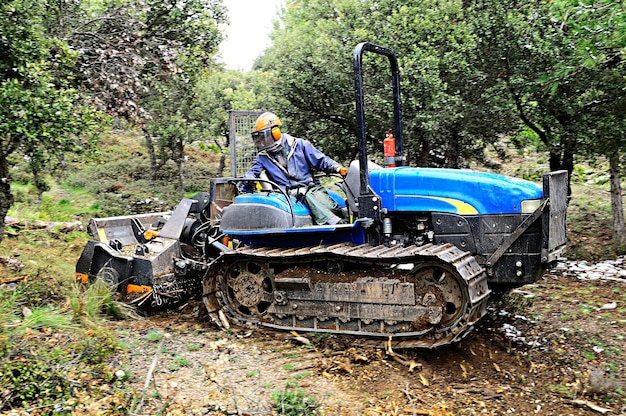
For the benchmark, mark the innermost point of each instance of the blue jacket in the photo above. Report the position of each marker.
(301, 158)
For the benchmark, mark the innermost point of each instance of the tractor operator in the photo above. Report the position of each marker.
(289, 161)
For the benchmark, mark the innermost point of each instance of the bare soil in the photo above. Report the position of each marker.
(553, 348)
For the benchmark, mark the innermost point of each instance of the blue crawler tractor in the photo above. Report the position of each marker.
(418, 261)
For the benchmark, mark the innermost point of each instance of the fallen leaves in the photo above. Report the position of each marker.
(464, 370)
(344, 365)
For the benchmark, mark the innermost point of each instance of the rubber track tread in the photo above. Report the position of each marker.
(467, 267)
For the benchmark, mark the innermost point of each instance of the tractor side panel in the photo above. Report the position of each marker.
(451, 190)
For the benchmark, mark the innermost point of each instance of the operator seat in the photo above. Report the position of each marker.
(352, 183)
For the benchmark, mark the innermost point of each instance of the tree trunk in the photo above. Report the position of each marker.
(6, 197)
(180, 158)
(453, 150)
(422, 154)
(154, 167)
(222, 164)
(563, 160)
(62, 162)
(617, 208)
(181, 181)
(568, 165)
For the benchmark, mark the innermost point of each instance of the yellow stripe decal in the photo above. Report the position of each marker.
(461, 207)
(102, 235)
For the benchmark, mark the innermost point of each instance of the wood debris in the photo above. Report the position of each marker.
(592, 406)
(401, 359)
(63, 226)
(299, 338)
(12, 264)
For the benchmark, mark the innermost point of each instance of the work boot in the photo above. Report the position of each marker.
(335, 220)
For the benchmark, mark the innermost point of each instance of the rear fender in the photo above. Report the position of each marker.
(554, 237)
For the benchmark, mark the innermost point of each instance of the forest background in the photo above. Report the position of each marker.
(481, 81)
(546, 75)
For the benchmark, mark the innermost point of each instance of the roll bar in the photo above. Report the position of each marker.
(365, 195)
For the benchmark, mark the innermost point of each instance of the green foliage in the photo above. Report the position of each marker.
(42, 371)
(539, 52)
(34, 379)
(471, 72)
(44, 353)
(97, 347)
(302, 375)
(451, 111)
(310, 66)
(42, 115)
(209, 147)
(293, 401)
(181, 361)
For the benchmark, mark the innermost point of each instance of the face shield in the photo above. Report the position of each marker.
(263, 140)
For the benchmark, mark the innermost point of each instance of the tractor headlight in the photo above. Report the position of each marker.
(530, 205)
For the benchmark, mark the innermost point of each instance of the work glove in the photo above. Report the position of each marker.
(242, 187)
(343, 171)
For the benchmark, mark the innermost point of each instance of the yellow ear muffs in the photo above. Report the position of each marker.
(276, 133)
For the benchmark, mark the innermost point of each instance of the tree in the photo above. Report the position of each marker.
(596, 30)
(518, 46)
(40, 116)
(310, 64)
(140, 60)
(562, 64)
(120, 54)
(541, 53)
(198, 110)
(219, 92)
(451, 111)
(127, 47)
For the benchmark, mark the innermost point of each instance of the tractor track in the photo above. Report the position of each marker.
(254, 294)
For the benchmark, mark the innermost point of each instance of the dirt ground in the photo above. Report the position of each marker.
(553, 348)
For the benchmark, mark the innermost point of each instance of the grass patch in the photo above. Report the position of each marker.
(302, 375)
(154, 335)
(63, 202)
(181, 360)
(293, 401)
(561, 390)
(193, 347)
(91, 303)
(178, 362)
